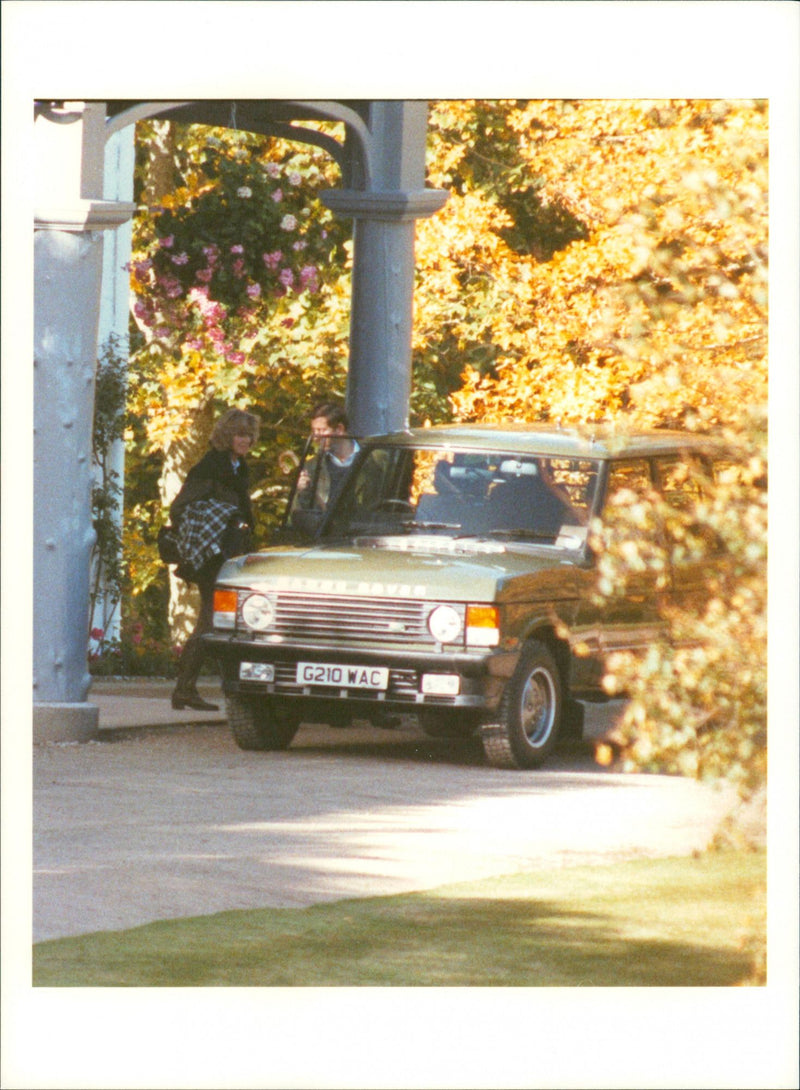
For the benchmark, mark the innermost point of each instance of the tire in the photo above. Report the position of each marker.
(259, 724)
(524, 731)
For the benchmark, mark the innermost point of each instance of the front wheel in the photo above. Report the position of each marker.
(524, 731)
(260, 724)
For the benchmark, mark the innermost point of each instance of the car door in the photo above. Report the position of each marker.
(693, 548)
(628, 617)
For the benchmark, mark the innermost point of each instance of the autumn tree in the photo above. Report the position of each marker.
(635, 278)
(607, 261)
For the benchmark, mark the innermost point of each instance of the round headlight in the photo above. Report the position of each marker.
(445, 624)
(258, 612)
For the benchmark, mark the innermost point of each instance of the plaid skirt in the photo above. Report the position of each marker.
(200, 530)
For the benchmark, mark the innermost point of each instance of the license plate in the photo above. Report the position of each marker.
(342, 677)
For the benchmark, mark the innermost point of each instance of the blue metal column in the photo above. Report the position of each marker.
(70, 215)
(120, 157)
(393, 197)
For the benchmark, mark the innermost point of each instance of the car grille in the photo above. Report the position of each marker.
(347, 619)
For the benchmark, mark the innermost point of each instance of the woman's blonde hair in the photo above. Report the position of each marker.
(234, 422)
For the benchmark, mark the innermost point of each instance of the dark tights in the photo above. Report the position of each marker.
(191, 660)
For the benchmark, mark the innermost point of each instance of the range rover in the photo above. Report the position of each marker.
(452, 578)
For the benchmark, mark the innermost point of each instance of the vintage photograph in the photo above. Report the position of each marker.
(405, 610)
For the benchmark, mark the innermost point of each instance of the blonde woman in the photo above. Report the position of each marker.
(211, 511)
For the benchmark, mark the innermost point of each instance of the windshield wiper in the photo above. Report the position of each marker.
(519, 534)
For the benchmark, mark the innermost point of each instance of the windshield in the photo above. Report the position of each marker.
(402, 490)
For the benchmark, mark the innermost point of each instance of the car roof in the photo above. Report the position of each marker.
(591, 441)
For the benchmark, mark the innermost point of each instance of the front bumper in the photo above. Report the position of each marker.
(482, 673)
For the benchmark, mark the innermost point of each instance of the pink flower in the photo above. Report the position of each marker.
(194, 344)
(299, 245)
(286, 277)
(294, 178)
(212, 312)
(272, 260)
(309, 277)
(167, 241)
(204, 275)
(273, 170)
(254, 290)
(140, 310)
(237, 249)
(211, 253)
(288, 223)
(180, 259)
(238, 268)
(277, 196)
(171, 286)
(235, 357)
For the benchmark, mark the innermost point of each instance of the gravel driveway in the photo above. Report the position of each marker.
(166, 823)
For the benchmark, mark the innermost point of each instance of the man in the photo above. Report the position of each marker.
(337, 452)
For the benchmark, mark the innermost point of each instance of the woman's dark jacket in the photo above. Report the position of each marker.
(214, 478)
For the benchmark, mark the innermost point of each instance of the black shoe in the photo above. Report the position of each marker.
(193, 701)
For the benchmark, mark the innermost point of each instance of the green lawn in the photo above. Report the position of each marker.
(683, 922)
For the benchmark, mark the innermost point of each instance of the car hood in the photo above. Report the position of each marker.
(446, 569)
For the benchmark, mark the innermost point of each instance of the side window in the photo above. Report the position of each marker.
(573, 479)
(683, 483)
(631, 477)
(680, 481)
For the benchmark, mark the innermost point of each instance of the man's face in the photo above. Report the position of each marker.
(322, 431)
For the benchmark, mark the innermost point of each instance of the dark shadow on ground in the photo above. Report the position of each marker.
(404, 744)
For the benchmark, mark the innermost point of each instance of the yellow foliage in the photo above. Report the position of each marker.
(656, 315)
(664, 298)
